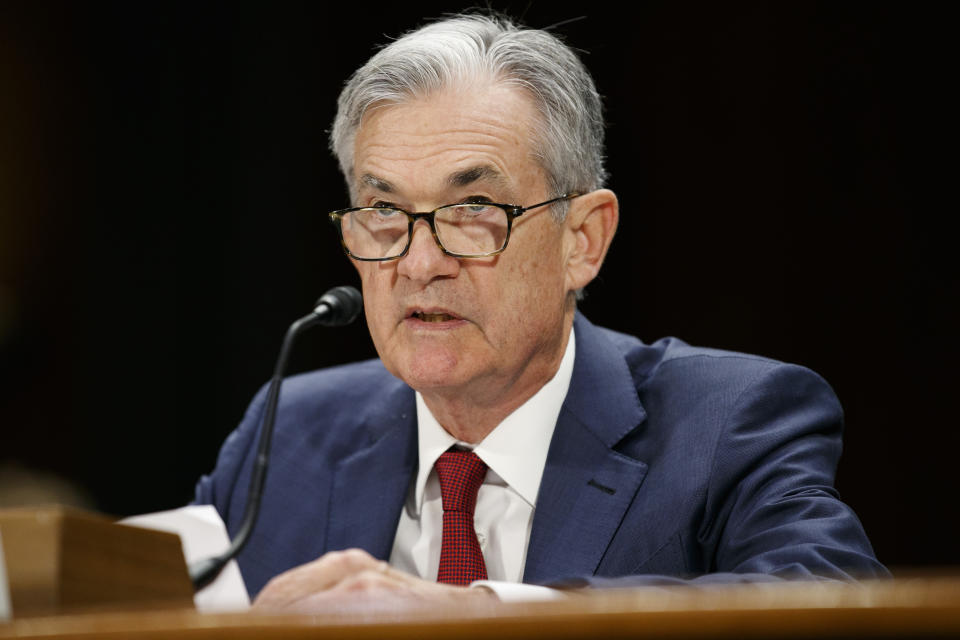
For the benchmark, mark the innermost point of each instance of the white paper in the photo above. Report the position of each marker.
(5, 608)
(202, 534)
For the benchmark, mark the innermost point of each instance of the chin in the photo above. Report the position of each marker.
(433, 370)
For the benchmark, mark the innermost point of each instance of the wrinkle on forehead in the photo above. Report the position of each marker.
(478, 131)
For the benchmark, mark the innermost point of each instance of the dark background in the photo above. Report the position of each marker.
(783, 170)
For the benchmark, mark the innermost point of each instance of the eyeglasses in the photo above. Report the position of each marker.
(466, 230)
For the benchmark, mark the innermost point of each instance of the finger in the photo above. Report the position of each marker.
(317, 576)
(373, 581)
(372, 589)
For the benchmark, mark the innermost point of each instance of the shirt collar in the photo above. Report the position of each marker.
(516, 450)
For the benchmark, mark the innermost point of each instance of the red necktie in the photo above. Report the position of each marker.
(461, 473)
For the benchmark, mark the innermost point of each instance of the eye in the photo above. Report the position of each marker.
(385, 214)
(474, 206)
(470, 210)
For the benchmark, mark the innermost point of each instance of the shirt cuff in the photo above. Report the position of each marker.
(517, 592)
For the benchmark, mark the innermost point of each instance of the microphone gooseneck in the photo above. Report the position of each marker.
(337, 307)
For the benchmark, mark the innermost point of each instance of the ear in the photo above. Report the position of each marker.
(590, 225)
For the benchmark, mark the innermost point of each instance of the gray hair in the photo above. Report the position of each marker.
(568, 138)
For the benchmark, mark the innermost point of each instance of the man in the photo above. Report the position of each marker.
(472, 151)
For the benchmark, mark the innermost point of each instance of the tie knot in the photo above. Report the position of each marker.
(461, 473)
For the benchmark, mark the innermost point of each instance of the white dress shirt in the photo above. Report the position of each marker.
(515, 453)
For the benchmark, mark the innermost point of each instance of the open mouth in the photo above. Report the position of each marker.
(433, 317)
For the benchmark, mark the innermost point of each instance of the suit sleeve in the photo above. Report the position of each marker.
(770, 508)
(771, 504)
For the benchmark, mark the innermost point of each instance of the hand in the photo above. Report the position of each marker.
(353, 579)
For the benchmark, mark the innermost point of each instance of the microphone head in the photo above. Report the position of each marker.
(339, 306)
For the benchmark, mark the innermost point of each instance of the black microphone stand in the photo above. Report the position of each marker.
(337, 307)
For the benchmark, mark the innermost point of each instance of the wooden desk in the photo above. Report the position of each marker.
(918, 608)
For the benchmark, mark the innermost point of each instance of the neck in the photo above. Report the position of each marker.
(470, 417)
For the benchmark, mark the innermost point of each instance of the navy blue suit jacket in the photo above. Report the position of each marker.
(667, 461)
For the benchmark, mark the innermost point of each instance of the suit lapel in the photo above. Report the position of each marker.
(587, 486)
(370, 485)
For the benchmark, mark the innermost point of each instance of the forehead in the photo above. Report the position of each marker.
(448, 139)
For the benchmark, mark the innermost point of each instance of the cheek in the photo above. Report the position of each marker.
(376, 298)
(543, 273)
(533, 290)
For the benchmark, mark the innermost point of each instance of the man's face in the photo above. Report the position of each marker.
(484, 326)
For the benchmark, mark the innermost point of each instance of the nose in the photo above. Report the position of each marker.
(425, 260)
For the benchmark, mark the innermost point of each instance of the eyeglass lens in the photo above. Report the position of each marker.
(465, 229)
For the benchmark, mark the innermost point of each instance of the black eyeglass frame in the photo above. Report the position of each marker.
(512, 210)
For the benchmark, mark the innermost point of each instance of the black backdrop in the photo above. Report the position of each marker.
(164, 174)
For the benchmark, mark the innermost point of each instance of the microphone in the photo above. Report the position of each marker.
(337, 307)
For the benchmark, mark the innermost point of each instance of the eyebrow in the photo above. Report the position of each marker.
(379, 184)
(475, 174)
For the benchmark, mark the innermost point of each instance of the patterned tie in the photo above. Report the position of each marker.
(461, 473)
